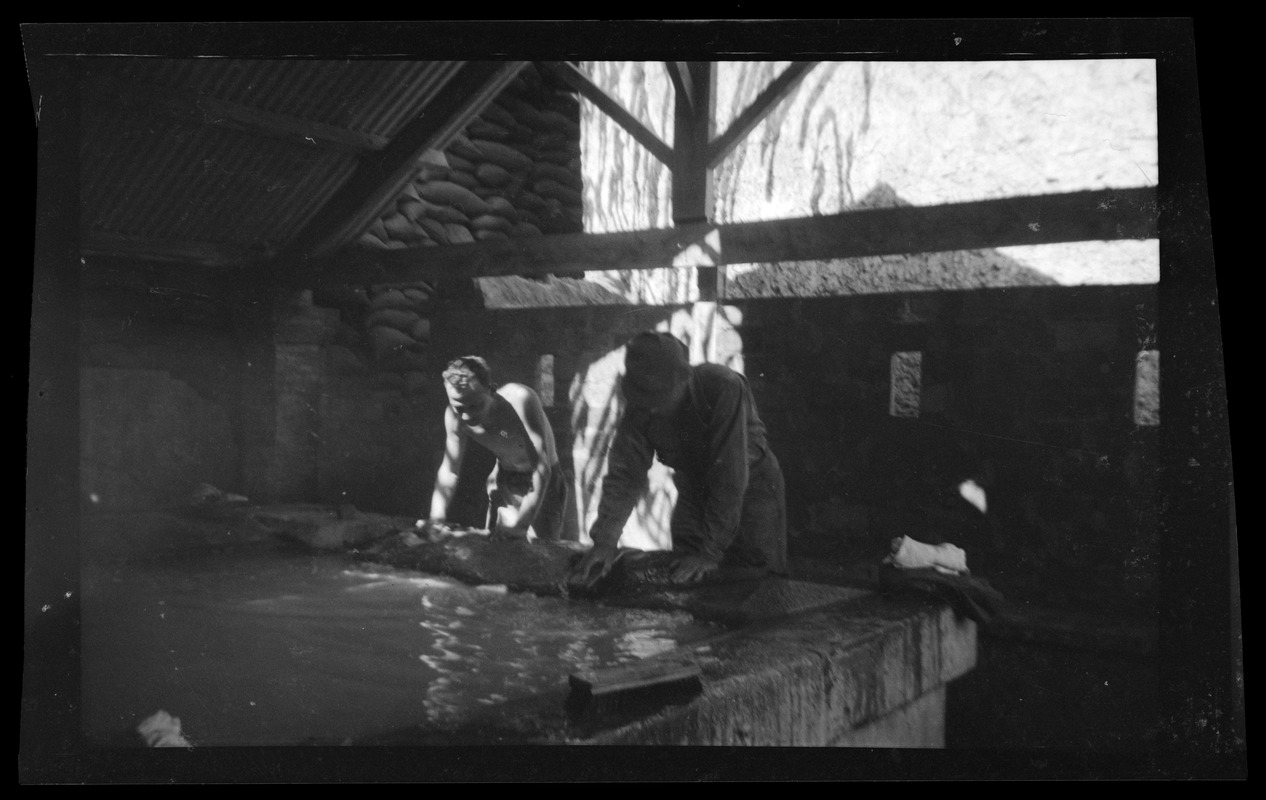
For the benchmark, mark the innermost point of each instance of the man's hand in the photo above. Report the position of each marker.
(595, 564)
(432, 530)
(692, 569)
(507, 525)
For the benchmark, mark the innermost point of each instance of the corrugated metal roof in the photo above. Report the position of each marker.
(217, 153)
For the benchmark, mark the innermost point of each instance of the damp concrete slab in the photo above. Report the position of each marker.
(868, 672)
(871, 671)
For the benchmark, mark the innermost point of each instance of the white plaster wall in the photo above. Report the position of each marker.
(936, 132)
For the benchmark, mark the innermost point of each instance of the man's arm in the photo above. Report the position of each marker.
(446, 476)
(628, 461)
(527, 404)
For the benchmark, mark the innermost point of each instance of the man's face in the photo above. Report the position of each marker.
(469, 399)
(667, 398)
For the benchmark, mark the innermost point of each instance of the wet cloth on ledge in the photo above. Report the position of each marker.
(944, 558)
(968, 596)
(161, 729)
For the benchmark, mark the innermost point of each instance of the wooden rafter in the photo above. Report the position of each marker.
(97, 243)
(679, 74)
(775, 93)
(578, 81)
(203, 110)
(379, 179)
(1104, 215)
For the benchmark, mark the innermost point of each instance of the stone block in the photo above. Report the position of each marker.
(146, 439)
(870, 673)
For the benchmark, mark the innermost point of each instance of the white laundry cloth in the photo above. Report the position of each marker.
(161, 729)
(973, 493)
(910, 554)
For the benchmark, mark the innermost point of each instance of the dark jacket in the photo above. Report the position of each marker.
(711, 442)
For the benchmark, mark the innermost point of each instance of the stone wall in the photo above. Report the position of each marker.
(160, 391)
(148, 440)
(1028, 392)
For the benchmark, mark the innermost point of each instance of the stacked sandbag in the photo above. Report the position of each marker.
(514, 171)
(398, 334)
(346, 353)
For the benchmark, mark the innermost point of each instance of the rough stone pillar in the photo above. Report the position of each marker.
(282, 464)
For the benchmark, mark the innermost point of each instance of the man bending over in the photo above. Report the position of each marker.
(526, 489)
(702, 422)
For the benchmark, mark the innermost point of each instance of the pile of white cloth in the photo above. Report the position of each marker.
(944, 558)
(161, 729)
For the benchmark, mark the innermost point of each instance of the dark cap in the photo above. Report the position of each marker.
(654, 364)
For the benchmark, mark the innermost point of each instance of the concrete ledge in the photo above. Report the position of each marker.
(920, 724)
(808, 664)
(867, 673)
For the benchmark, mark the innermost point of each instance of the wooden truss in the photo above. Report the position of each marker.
(694, 240)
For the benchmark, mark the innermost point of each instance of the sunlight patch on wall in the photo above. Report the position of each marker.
(1147, 388)
(1093, 263)
(596, 409)
(545, 380)
(906, 383)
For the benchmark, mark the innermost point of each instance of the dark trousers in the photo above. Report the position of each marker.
(508, 488)
(761, 540)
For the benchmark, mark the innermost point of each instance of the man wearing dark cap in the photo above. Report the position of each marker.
(702, 422)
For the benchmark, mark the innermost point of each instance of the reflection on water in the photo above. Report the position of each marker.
(275, 649)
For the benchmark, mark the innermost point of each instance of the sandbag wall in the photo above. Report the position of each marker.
(513, 171)
(383, 334)
(375, 405)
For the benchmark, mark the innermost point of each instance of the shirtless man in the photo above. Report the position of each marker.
(527, 488)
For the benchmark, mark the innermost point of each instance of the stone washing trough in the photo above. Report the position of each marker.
(799, 663)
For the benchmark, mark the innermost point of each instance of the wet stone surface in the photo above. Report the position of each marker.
(731, 595)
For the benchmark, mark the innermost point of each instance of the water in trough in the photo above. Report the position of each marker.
(271, 648)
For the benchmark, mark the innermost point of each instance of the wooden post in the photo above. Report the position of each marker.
(693, 188)
(693, 124)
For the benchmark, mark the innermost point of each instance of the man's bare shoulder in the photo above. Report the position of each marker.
(450, 418)
(517, 393)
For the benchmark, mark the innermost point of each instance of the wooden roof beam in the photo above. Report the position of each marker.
(694, 186)
(207, 254)
(577, 80)
(679, 74)
(775, 93)
(1102, 215)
